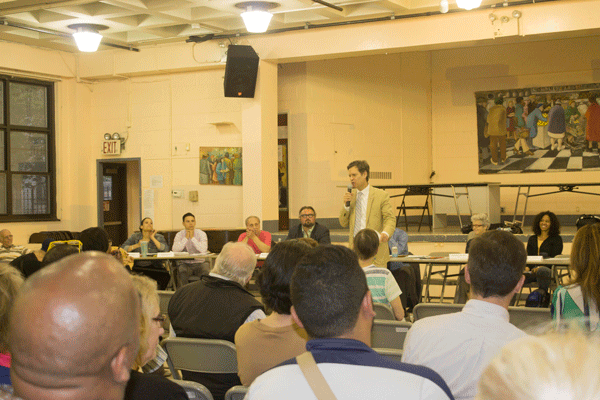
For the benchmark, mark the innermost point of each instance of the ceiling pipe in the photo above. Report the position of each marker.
(369, 20)
(326, 4)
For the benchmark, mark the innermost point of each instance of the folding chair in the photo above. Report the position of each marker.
(415, 191)
(383, 312)
(424, 310)
(164, 296)
(395, 355)
(236, 393)
(194, 390)
(529, 317)
(389, 334)
(200, 355)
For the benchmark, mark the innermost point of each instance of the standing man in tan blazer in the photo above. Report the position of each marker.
(368, 207)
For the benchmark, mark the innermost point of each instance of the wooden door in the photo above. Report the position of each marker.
(114, 183)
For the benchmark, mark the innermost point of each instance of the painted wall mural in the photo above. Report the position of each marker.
(541, 129)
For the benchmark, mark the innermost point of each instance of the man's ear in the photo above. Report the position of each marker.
(121, 364)
(295, 317)
(467, 275)
(520, 284)
(366, 305)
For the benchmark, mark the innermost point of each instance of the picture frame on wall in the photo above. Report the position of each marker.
(221, 166)
(539, 129)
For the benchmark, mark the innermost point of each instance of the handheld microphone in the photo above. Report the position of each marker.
(349, 191)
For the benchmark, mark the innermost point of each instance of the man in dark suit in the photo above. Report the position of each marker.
(308, 228)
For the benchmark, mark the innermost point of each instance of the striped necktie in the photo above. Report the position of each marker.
(358, 212)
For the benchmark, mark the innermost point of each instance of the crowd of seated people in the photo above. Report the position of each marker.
(306, 309)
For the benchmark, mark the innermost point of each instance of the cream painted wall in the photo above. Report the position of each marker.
(74, 209)
(343, 110)
(164, 115)
(458, 73)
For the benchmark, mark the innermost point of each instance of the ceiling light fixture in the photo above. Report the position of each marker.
(87, 37)
(256, 17)
(468, 4)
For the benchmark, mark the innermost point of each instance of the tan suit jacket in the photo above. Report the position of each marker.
(380, 217)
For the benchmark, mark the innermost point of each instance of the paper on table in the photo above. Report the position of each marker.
(134, 255)
(459, 256)
(535, 258)
(165, 254)
(263, 255)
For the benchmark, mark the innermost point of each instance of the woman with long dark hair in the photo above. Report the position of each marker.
(581, 298)
(545, 242)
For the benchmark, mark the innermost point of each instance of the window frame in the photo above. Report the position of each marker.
(50, 132)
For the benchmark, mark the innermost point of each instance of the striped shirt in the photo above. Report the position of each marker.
(382, 284)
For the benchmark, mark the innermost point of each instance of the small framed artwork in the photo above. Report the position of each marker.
(221, 166)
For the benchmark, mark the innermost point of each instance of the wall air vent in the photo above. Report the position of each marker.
(381, 175)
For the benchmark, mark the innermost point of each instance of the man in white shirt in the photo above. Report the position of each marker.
(193, 241)
(9, 251)
(459, 346)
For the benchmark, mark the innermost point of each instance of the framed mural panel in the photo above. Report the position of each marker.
(221, 166)
(539, 129)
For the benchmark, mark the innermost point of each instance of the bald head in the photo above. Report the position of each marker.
(73, 330)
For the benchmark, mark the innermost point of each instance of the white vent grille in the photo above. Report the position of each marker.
(381, 175)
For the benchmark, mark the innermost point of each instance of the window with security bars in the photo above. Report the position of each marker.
(27, 166)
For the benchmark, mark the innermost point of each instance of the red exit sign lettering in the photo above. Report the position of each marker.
(111, 147)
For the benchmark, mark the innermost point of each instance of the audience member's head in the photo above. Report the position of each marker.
(330, 295)
(150, 321)
(74, 330)
(236, 262)
(94, 239)
(276, 274)
(555, 366)
(10, 282)
(6, 238)
(546, 217)
(309, 241)
(57, 252)
(585, 261)
(496, 264)
(592, 98)
(480, 223)
(366, 244)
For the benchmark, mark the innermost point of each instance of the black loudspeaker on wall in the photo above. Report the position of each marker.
(241, 71)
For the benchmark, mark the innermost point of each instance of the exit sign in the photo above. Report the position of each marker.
(111, 147)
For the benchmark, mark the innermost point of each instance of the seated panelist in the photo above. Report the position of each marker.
(259, 240)
(309, 228)
(156, 243)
